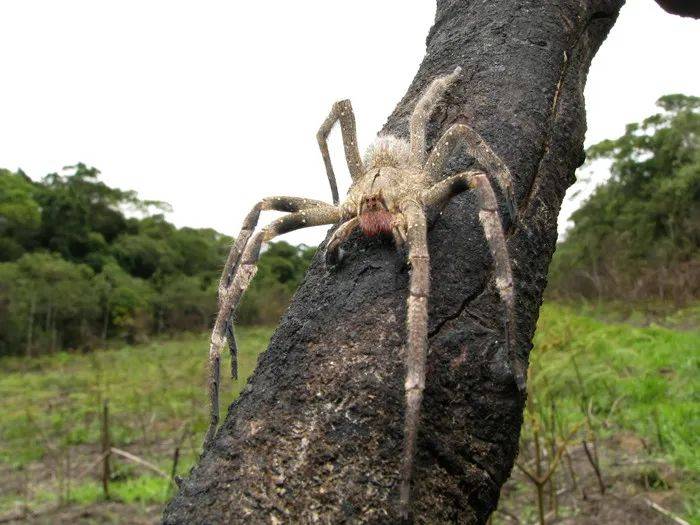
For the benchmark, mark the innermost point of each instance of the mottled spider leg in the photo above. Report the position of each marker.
(417, 336)
(341, 110)
(342, 233)
(421, 113)
(481, 151)
(436, 197)
(290, 204)
(239, 283)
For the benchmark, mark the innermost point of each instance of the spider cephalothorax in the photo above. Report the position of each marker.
(393, 190)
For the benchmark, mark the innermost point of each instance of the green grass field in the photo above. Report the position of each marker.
(642, 381)
(631, 381)
(50, 415)
(650, 374)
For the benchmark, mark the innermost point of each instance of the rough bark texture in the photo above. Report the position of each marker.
(317, 434)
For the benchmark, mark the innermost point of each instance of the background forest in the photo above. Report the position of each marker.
(94, 284)
(79, 268)
(637, 238)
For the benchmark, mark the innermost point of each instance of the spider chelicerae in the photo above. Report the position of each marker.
(394, 189)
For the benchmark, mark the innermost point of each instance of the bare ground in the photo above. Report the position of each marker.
(633, 480)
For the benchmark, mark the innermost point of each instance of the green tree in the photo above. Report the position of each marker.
(78, 271)
(144, 256)
(49, 302)
(638, 235)
(186, 303)
(20, 214)
(125, 302)
(77, 204)
(200, 251)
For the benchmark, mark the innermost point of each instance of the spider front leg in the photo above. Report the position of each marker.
(423, 110)
(417, 336)
(341, 110)
(333, 252)
(230, 296)
(436, 198)
(289, 204)
(481, 151)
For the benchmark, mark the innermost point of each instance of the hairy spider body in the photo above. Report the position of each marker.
(393, 190)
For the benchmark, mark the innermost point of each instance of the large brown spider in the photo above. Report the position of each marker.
(392, 192)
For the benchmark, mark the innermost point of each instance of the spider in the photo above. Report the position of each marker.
(393, 190)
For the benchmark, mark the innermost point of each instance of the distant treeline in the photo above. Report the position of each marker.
(76, 268)
(637, 238)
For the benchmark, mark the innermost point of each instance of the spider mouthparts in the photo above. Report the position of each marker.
(375, 222)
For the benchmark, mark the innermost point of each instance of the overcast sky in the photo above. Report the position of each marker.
(181, 100)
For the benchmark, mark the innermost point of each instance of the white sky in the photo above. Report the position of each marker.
(180, 100)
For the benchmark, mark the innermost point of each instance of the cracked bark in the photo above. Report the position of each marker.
(316, 436)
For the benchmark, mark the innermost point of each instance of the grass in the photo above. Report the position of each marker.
(643, 380)
(138, 490)
(640, 380)
(650, 374)
(50, 409)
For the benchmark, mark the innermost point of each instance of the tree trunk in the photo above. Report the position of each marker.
(30, 326)
(316, 436)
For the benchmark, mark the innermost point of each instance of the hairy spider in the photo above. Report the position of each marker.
(393, 190)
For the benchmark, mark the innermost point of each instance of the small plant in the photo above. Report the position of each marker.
(545, 463)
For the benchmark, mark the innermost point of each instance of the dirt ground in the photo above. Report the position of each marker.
(97, 513)
(632, 481)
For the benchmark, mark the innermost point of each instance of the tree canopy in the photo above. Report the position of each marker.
(76, 268)
(638, 235)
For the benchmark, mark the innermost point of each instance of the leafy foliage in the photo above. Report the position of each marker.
(638, 236)
(76, 269)
(20, 214)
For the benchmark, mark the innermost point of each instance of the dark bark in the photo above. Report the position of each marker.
(317, 433)
(690, 8)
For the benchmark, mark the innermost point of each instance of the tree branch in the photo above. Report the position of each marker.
(690, 8)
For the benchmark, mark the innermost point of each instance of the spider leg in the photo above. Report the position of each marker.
(417, 335)
(231, 295)
(424, 108)
(341, 110)
(333, 253)
(232, 348)
(289, 204)
(481, 151)
(436, 197)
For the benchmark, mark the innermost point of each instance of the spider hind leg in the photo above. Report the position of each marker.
(340, 111)
(439, 195)
(477, 147)
(417, 336)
